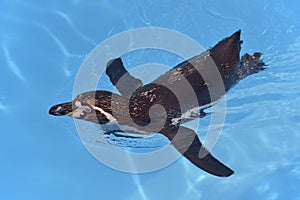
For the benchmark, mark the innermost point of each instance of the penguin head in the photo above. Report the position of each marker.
(89, 106)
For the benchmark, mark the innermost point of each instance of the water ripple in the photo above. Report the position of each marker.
(71, 24)
(68, 55)
(12, 65)
(140, 188)
(56, 40)
(2, 107)
(289, 56)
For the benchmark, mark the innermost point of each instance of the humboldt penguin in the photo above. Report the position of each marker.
(131, 109)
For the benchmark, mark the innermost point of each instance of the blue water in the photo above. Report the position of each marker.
(43, 43)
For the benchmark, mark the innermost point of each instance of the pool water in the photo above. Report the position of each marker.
(43, 44)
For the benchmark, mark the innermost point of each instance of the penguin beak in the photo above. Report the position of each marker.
(62, 109)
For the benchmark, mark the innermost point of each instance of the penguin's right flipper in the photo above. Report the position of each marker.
(186, 141)
(121, 78)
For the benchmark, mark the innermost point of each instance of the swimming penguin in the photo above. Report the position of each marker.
(131, 110)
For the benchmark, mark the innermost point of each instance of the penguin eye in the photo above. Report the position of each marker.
(80, 110)
(87, 109)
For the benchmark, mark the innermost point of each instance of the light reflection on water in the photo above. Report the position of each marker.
(2, 107)
(12, 65)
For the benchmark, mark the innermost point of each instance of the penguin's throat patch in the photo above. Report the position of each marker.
(80, 110)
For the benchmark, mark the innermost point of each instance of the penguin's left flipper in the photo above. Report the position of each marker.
(121, 78)
(186, 141)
